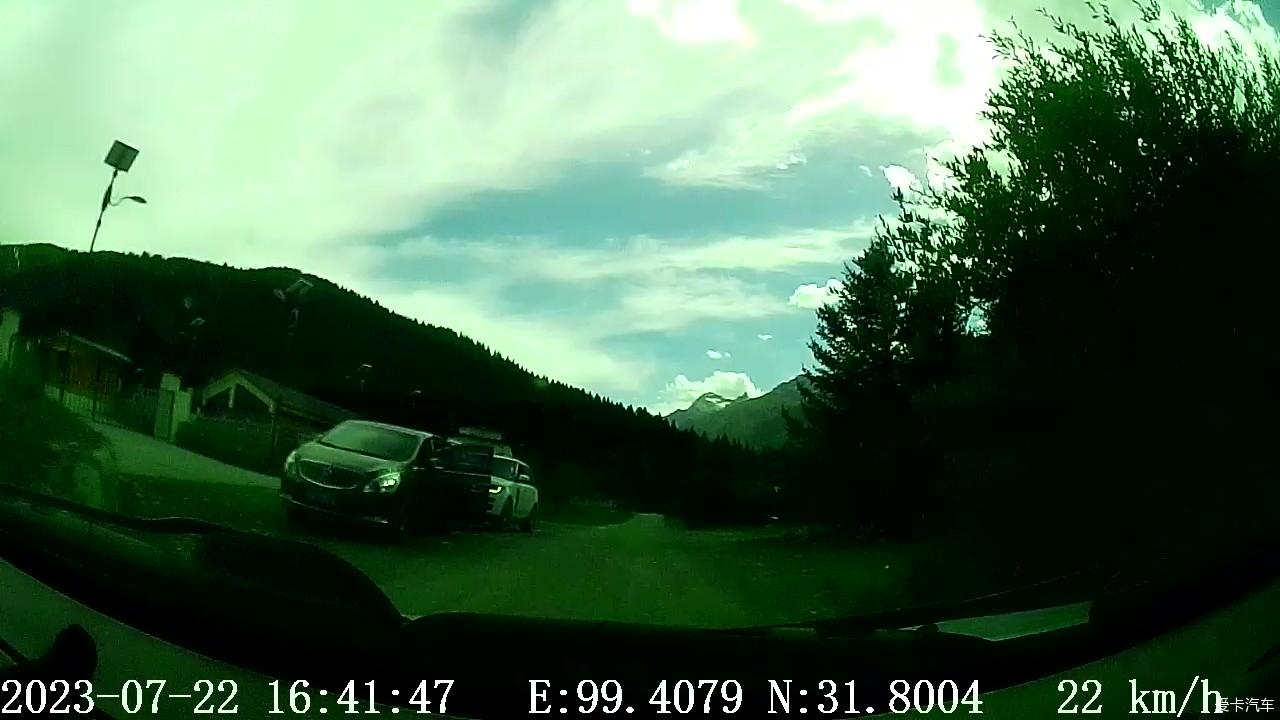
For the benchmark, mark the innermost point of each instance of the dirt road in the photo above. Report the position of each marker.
(641, 570)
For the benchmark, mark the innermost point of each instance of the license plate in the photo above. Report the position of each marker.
(319, 497)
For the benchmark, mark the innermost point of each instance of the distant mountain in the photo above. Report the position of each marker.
(755, 422)
(707, 404)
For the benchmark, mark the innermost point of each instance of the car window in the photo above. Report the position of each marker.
(465, 459)
(505, 468)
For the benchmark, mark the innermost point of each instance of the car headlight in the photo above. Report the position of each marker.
(384, 483)
(495, 489)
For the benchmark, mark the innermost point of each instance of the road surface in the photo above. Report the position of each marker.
(641, 570)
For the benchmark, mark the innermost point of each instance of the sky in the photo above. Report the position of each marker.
(644, 198)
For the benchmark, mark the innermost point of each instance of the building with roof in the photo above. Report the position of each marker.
(240, 393)
(252, 421)
(93, 379)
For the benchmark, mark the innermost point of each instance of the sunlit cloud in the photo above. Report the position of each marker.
(811, 296)
(681, 392)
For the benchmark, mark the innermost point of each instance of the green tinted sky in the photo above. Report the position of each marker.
(644, 198)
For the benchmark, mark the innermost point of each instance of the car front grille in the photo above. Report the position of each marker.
(328, 475)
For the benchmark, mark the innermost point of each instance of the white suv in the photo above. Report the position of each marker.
(502, 486)
(515, 497)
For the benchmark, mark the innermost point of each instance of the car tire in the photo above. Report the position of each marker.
(398, 531)
(504, 518)
(530, 522)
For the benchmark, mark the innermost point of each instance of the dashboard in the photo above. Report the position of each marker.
(1223, 657)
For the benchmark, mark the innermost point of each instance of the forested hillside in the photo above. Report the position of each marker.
(199, 319)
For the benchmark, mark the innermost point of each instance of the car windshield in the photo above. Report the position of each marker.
(790, 309)
(375, 440)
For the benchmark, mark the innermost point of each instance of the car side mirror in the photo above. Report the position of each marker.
(524, 479)
(435, 463)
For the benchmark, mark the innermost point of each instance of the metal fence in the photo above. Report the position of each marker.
(144, 410)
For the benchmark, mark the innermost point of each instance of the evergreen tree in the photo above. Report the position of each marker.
(855, 403)
(859, 346)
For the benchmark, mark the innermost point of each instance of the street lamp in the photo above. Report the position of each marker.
(362, 374)
(120, 157)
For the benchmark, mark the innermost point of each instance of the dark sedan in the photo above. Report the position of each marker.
(366, 472)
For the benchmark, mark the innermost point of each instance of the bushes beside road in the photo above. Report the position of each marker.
(235, 442)
(32, 422)
(50, 449)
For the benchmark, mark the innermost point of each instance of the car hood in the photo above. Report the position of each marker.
(347, 459)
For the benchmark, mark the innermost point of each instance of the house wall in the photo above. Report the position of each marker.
(89, 373)
(181, 403)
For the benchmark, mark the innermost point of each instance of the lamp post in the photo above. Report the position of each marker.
(120, 158)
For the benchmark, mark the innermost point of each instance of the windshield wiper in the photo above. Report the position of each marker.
(166, 524)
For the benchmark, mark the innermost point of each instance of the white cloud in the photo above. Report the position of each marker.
(792, 160)
(563, 352)
(664, 305)
(644, 256)
(717, 355)
(866, 170)
(901, 179)
(765, 337)
(270, 129)
(654, 284)
(1240, 21)
(681, 392)
(695, 22)
(812, 297)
